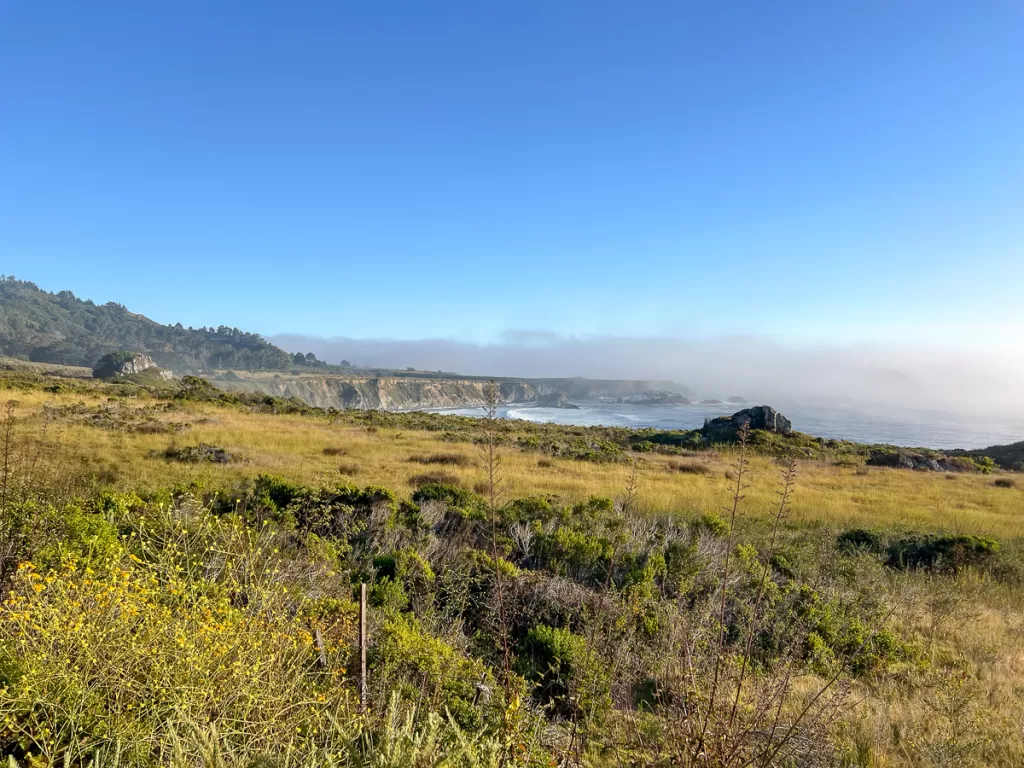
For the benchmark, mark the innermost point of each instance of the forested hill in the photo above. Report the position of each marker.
(61, 328)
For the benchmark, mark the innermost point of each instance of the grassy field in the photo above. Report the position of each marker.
(953, 696)
(308, 449)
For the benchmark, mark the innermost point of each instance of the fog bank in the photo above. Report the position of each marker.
(869, 376)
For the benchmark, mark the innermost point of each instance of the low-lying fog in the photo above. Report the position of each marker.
(879, 378)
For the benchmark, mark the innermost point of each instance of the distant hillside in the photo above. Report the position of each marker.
(59, 329)
(1006, 456)
(63, 329)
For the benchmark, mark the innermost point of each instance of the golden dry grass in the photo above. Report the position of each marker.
(294, 446)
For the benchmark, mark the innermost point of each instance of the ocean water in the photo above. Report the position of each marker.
(914, 428)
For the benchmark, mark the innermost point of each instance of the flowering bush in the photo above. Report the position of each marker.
(157, 641)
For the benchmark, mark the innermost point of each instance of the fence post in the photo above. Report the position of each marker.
(362, 645)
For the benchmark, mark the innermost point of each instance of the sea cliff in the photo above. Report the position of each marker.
(395, 393)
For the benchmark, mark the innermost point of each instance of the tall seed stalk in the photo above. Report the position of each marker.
(491, 440)
(8, 450)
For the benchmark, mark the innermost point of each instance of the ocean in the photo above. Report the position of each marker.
(912, 428)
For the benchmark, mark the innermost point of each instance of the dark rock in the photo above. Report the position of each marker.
(764, 417)
(655, 397)
(903, 458)
(558, 400)
(117, 365)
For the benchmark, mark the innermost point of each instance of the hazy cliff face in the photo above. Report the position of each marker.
(383, 392)
(404, 393)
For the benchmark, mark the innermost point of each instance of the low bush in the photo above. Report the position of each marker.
(196, 454)
(135, 649)
(273, 494)
(713, 523)
(450, 459)
(567, 675)
(451, 495)
(690, 467)
(859, 539)
(941, 553)
(411, 663)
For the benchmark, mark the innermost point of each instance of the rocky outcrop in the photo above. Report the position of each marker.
(655, 398)
(580, 389)
(763, 417)
(903, 458)
(556, 400)
(121, 364)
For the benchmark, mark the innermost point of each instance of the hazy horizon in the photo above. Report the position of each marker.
(871, 376)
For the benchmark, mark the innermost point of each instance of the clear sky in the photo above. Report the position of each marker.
(838, 171)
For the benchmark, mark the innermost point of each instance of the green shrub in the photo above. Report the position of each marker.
(197, 389)
(570, 552)
(985, 464)
(859, 539)
(528, 509)
(275, 493)
(388, 594)
(594, 508)
(834, 633)
(409, 661)
(55, 535)
(343, 511)
(941, 553)
(567, 675)
(460, 499)
(712, 523)
(682, 564)
(399, 577)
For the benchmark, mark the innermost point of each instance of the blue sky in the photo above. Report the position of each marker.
(816, 172)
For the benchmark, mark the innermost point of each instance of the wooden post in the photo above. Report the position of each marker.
(362, 645)
(321, 650)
